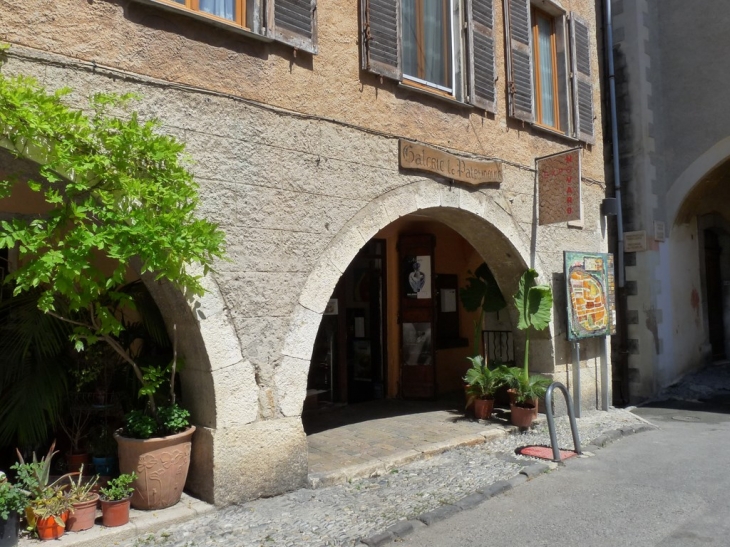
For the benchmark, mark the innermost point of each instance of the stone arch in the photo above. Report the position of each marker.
(215, 367)
(688, 180)
(469, 212)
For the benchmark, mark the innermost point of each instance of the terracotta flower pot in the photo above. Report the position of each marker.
(483, 408)
(49, 528)
(83, 516)
(161, 465)
(75, 461)
(9, 530)
(535, 402)
(522, 416)
(115, 513)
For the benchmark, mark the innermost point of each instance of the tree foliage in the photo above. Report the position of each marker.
(117, 189)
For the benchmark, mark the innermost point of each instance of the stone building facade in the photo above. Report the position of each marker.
(674, 151)
(294, 128)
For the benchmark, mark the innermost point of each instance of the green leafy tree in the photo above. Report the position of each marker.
(117, 189)
(534, 305)
(481, 294)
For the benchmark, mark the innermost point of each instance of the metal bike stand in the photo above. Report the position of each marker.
(551, 420)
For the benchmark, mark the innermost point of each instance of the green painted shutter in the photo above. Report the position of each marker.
(293, 22)
(380, 37)
(480, 54)
(582, 82)
(518, 51)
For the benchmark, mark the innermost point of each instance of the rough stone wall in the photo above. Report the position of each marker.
(298, 190)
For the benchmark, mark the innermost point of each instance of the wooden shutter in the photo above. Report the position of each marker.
(293, 22)
(580, 46)
(518, 50)
(480, 51)
(380, 37)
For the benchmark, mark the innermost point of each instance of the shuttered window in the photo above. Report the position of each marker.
(542, 61)
(293, 22)
(415, 42)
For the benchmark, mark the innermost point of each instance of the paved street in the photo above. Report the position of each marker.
(665, 487)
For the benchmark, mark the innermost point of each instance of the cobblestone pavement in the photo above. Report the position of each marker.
(342, 515)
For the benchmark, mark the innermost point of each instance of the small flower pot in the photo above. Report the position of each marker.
(75, 461)
(9, 530)
(522, 416)
(49, 528)
(483, 408)
(115, 513)
(83, 516)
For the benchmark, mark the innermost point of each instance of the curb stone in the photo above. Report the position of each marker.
(469, 502)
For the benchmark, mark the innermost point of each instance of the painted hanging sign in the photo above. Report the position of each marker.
(558, 183)
(433, 160)
(591, 294)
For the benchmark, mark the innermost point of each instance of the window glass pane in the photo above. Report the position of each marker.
(409, 38)
(426, 40)
(545, 70)
(222, 8)
(437, 42)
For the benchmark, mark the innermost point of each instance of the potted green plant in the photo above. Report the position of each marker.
(12, 503)
(534, 305)
(48, 506)
(83, 500)
(482, 383)
(115, 500)
(77, 255)
(481, 294)
(74, 425)
(103, 448)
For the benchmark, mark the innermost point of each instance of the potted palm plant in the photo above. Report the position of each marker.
(12, 502)
(115, 500)
(482, 382)
(534, 305)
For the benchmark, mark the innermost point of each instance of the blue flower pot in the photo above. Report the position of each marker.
(105, 466)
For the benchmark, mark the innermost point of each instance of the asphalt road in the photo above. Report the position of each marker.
(668, 487)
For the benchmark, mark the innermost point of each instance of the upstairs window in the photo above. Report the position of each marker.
(292, 22)
(549, 69)
(427, 44)
(443, 46)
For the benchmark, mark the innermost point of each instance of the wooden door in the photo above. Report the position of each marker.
(417, 316)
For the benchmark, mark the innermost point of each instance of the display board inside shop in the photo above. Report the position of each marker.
(591, 294)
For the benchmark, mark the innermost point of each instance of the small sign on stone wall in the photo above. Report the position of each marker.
(659, 231)
(425, 158)
(635, 242)
(558, 181)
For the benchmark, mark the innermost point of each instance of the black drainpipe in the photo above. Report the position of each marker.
(622, 328)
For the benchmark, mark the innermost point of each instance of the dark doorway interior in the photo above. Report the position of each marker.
(348, 360)
(713, 283)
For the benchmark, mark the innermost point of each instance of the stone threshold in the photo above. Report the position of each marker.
(381, 466)
(140, 524)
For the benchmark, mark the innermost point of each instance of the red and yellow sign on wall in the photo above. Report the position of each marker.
(558, 182)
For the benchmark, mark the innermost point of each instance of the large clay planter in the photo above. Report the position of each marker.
(161, 465)
(521, 416)
(115, 513)
(49, 528)
(9, 530)
(534, 402)
(83, 516)
(483, 408)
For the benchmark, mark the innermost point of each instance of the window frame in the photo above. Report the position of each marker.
(193, 6)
